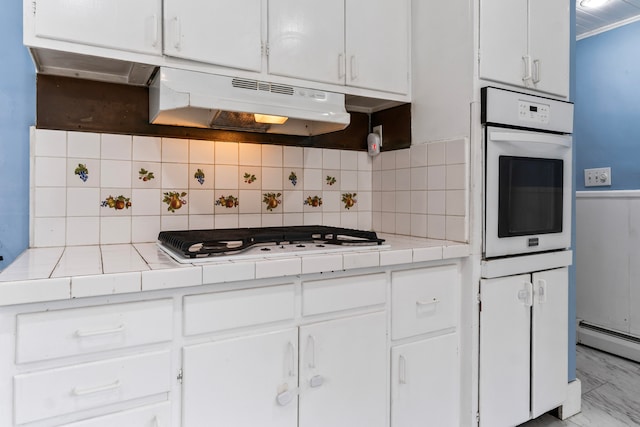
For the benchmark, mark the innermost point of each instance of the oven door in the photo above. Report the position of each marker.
(527, 192)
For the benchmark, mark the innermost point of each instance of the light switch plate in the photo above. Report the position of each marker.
(597, 177)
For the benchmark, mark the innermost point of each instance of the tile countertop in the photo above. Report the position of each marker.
(48, 274)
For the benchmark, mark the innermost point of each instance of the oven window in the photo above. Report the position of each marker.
(530, 198)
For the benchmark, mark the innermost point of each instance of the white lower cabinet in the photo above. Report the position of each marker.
(148, 416)
(523, 346)
(242, 381)
(424, 383)
(343, 372)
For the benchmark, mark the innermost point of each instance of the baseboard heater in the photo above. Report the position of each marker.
(615, 342)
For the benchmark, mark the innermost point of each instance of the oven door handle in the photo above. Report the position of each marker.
(533, 138)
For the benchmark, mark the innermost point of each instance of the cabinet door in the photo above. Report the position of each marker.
(306, 39)
(240, 382)
(215, 31)
(549, 371)
(377, 44)
(424, 383)
(505, 322)
(343, 373)
(503, 40)
(549, 45)
(120, 24)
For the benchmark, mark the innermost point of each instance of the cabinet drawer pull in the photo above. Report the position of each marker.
(311, 349)
(354, 68)
(536, 71)
(154, 37)
(341, 66)
(527, 69)
(81, 334)
(92, 390)
(402, 368)
(177, 33)
(425, 303)
(291, 372)
(156, 422)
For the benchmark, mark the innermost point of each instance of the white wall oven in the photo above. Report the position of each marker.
(528, 173)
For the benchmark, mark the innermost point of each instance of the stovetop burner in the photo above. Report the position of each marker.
(206, 243)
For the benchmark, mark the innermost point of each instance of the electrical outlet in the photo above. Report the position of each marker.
(597, 177)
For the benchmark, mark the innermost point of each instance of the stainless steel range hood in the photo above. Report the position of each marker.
(189, 98)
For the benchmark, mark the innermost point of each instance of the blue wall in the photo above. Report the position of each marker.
(607, 97)
(17, 113)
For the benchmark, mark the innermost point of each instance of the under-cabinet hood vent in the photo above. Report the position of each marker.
(188, 98)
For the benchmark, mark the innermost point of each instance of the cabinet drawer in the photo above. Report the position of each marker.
(325, 296)
(147, 416)
(220, 311)
(423, 300)
(54, 392)
(59, 333)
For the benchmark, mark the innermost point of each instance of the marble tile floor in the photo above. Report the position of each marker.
(610, 392)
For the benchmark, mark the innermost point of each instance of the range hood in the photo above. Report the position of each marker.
(194, 99)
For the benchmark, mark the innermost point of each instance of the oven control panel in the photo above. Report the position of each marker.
(533, 112)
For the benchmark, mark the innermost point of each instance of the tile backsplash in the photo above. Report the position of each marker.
(89, 188)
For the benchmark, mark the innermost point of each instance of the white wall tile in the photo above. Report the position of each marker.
(436, 177)
(348, 160)
(115, 147)
(419, 225)
(226, 153)
(175, 175)
(313, 158)
(201, 202)
(293, 157)
(291, 219)
(180, 193)
(146, 202)
(403, 202)
(436, 202)
(365, 201)
(419, 202)
(49, 232)
(403, 224)
(147, 148)
(365, 162)
(272, 178)
(115, 230)
(174, 222)
(388, 160)
(419, 155)
(250, 220)
(115, 174)
(201, 222)
(456, 202)
(249, 177)
(272, 155)
(313, 179)
(83, 231)
(50, 143)
(50, 172)
(376, 181)
(50, 202)
(145, 228)
(312, 218)
(331, 201)
(250, 202)
(456, 177)
(272, 220)
(83, 145)
(376, 163)
(364, 181)
(82, 202)
(348, 180)
(349, 219)
(403, 179)
(436, 227)
(331, 219)
(116, 194)
(226, 177)
(456, 228)
(376, 201)
(388, 222)
(388, 180)
(365, 220)
(226, 221)
(403, 158)
(202, 152)
(436, 153)
(292, 182)
(175, 150)
(249, 154)
(292, 201)
(278, 267)
(388, 201)
(419, 177)
(330, 159)
(456, 152)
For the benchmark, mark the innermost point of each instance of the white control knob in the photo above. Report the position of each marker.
(603, 177)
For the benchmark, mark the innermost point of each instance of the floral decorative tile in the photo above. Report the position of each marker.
(227, 202)
(349, 200)
(82, 172)
(293, 178)
(272, 200)
(199, 176)
(249, 177)
(118, 203)
(174, 200)
(313, 201)
(330, 180)
(145, 175)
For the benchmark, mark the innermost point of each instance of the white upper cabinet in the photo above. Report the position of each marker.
(377, 44)
(525, 43)
(120, 24)
(216, 32)
(306, 40)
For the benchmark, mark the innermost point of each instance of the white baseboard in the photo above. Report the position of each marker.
(609, 342)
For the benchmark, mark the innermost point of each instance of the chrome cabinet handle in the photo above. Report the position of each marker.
(81, 334)
(77, 391)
